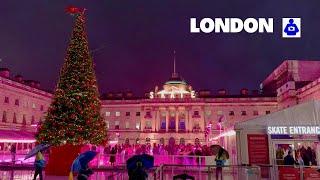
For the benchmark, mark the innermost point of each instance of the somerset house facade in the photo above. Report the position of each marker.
(173, 110)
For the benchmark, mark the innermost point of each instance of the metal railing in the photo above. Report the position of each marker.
(103, 160)
(199, 172)
(14, 158)
(208, 172)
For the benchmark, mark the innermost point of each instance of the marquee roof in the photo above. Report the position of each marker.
(306, 114)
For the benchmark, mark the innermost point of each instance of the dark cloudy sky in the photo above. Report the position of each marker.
(138, 38)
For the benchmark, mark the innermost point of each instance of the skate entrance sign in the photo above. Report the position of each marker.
(294, 130)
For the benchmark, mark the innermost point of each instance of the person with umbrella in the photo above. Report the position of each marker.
(221, 156)
(137, 165)
(39, 164)
(80, 165)
(139, 173)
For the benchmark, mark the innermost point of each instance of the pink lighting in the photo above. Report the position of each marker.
(17, 140)
(227, 133)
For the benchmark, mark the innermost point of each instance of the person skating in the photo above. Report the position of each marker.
(39, 164)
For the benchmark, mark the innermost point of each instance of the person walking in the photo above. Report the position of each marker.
(39, 164)
(220, 161)
(289, 160)
(138, 174)
(13, 151)
(84, 173)
(300, 161)
(113, 156)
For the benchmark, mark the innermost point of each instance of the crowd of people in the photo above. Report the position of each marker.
(301, 156)
(127, 150)
(158, 149)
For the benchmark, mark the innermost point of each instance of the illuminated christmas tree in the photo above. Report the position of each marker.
(74, 114)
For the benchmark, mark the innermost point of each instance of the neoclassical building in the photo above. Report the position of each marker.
(177, 111)
(22, 105)
(173, 110)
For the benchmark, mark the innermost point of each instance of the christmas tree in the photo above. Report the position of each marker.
(74, 114)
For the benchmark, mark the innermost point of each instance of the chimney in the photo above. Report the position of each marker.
(244, 92)
(129, 94)
(255, 92)
(109, 95)
(204, 93)
(222, 92)
(37, 84)
(5, 72)
(30, 83)
(18, 78)
(119, 95)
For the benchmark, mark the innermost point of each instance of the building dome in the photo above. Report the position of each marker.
(175, 80)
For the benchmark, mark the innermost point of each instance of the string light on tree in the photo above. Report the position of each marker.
(74, 114)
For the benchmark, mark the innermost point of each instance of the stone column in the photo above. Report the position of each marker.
(167, 119)
(154, 120)
(204, 118)
(190, 123)
(158, 119)
(186, 118)
(177, 119)
(142, 119)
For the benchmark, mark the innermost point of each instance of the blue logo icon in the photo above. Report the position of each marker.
(291, 27)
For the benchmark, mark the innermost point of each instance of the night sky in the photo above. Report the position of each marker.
(137, 38)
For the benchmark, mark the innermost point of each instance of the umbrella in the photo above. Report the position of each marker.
(225, 153)
(35, 150)
(216, 148)
(146, 160)
(82, 160)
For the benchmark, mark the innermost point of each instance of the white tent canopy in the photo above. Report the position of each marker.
(306, 114)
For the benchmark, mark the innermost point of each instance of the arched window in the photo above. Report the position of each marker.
(4, 116)
(24, 120)
(32, 119)
(14, 118)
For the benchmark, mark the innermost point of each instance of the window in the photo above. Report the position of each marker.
(6, 99)
(14, 118)
(196, 113)
(24, 120)
(108, 124)
(267, 112)
(117, 113)
(255, 113)
(116, 125)
(148, 124)
(41, 108)
(231, 113)
(243, 113)
(137, 113)
(4, 116)
(16, 102)
(33, 105)
(127, 125)
(32, 119)
(108, 113)
(127, 113)
(137, 125)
